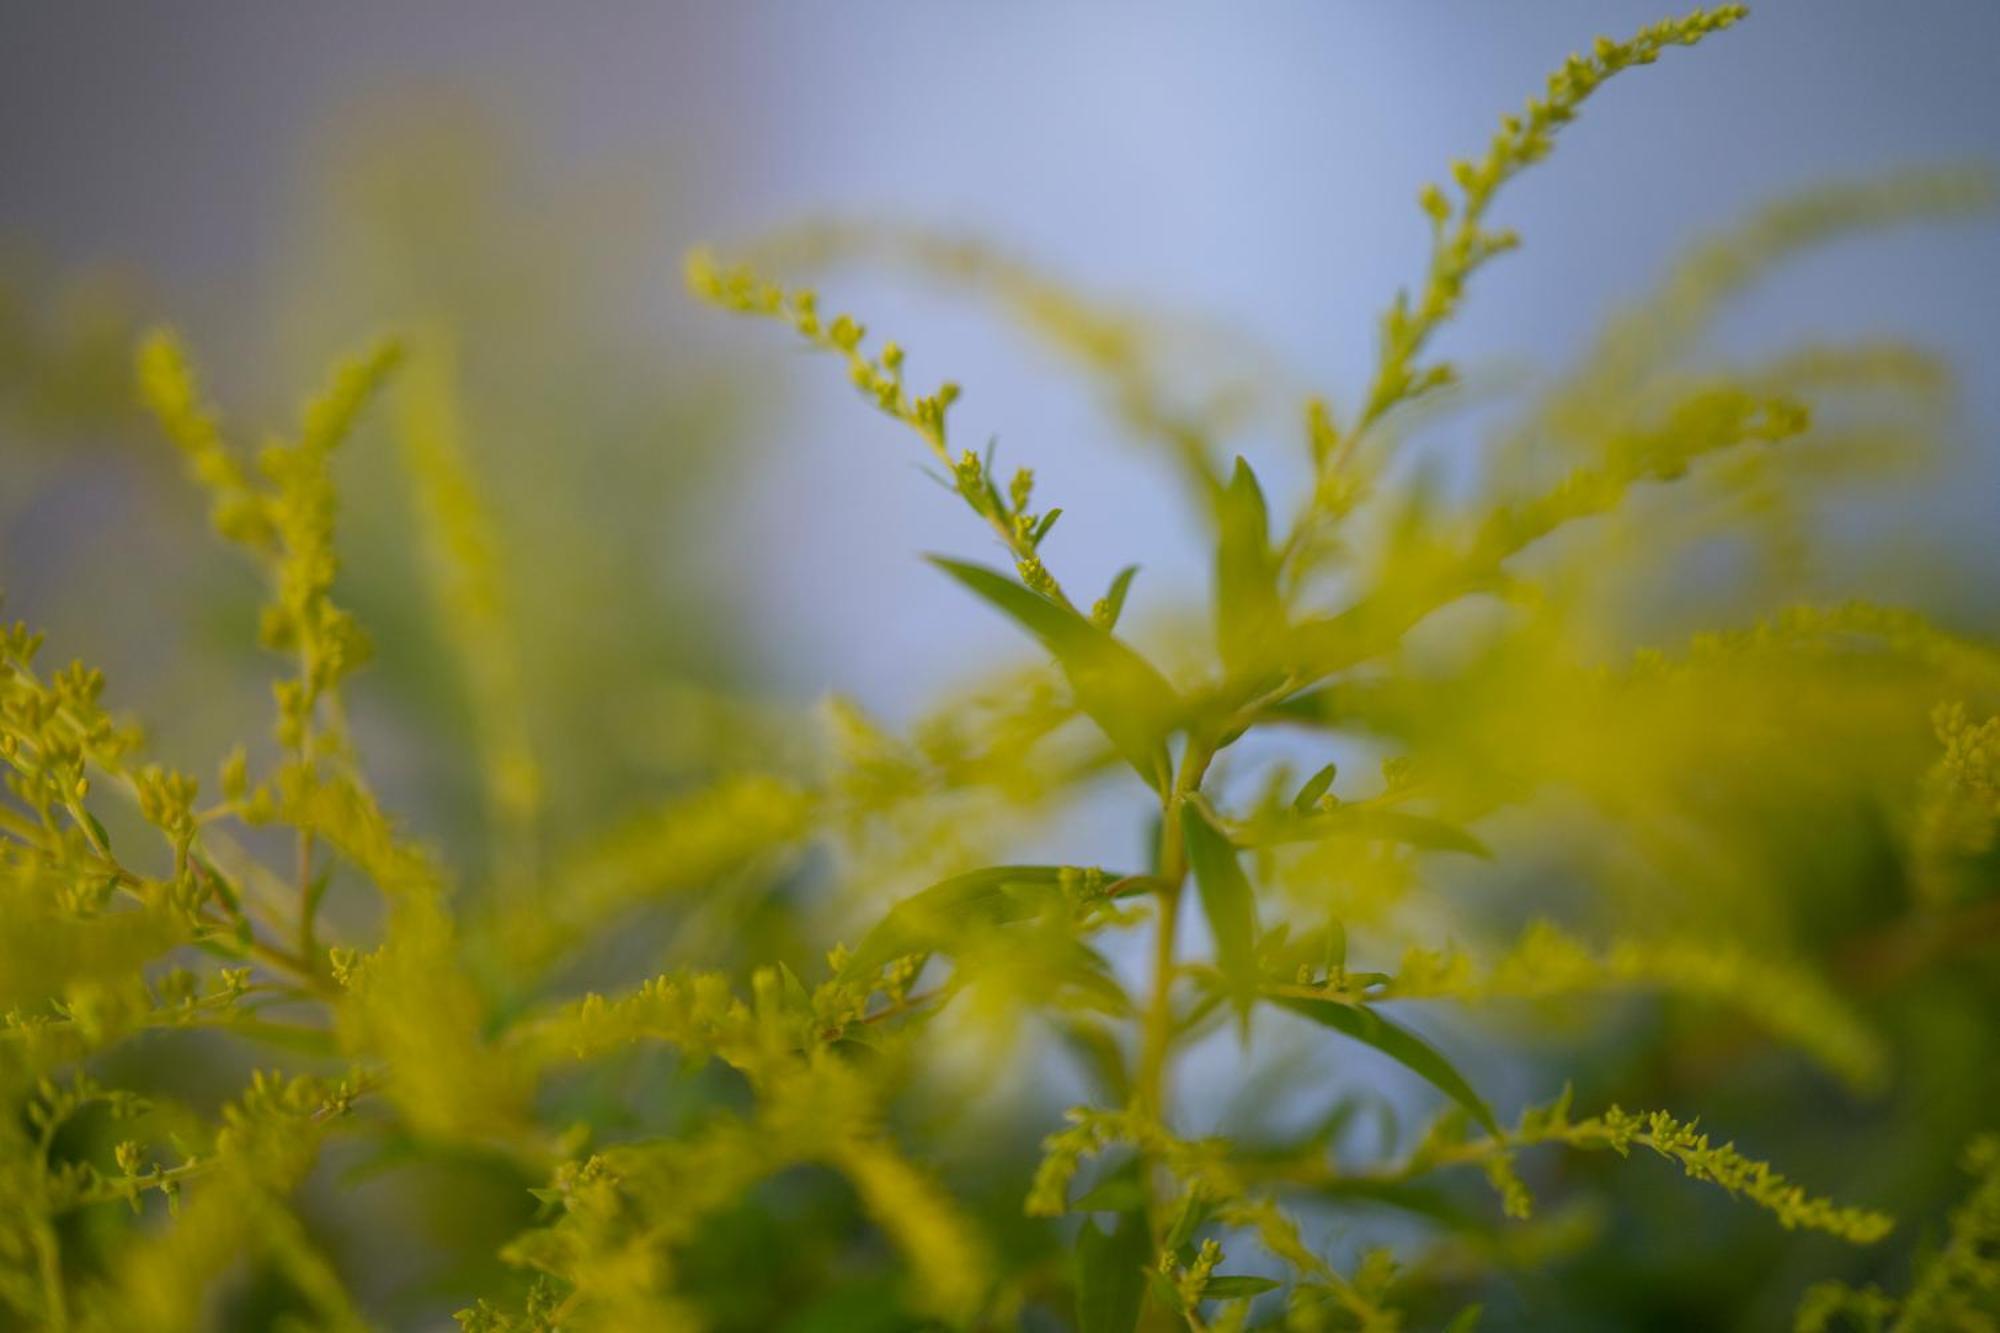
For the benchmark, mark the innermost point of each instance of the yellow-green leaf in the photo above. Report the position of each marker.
(1226, 902)
(1122, 692)
(1249, 617)
(1362, 821)
(1111, 1273)
(1370, 1028)
(928, 921)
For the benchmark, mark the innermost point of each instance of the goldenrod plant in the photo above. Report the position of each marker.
(1356, 1049)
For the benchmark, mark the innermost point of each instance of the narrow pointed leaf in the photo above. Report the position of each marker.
(1226, 901)
(1114, 597)
(1111, 1274)
(1195, 1210)
(1399, 1044)
(1249, 618)
(796, 994)
(1236, 1286)
(1315, 787)
(1334, 959)
(1131, 702)
(1097, 1052)
(1165, 1294)
(1046, 620)
(1079, 975)
(1361, 821)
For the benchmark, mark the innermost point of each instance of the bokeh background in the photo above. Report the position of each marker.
(689, 505)
(1258, 168)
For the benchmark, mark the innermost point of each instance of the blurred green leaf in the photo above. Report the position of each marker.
(1236, 1286)
(1314, 787)
(1361, 821)
(930, 920)
(1111, 1274)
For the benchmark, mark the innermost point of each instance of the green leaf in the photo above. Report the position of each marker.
(932, 920)
(1249, 617)
(796, 994)
(1370, 1028)
(964, 909)
(1078, 975)
(1362, 821)
(1111, 1274)
(1236, 1286)
(1324, 950)
(316, 891)
(1195, 1210)
(1112, 607)
(1164, 1291)
(1099, 1055)
(1227, 902)
(231, 900)
(1131, 702)
(1315, 787)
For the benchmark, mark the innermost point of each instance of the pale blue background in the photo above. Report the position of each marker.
(1256, 161)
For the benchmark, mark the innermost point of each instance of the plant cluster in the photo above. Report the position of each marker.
(1466, 642)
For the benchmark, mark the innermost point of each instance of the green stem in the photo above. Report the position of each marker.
(48, 1256)
(309, 896)
(1156, 1046)
(1150, 1094)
